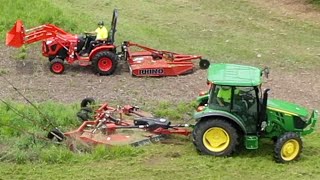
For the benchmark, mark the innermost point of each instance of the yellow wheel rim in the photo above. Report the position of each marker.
(290, 150)
(216, 139)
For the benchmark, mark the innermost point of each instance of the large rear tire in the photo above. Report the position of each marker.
(288, 148)
(215, 137)
(104, 63)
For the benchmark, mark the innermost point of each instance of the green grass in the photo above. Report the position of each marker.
(36, 12)
(316, 2)
(23, 156)
(222, 31)
(164, 161)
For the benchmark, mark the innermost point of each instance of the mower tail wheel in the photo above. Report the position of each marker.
(215, 137)
(57, 66)
(288, 147)
(83, 116)
(204, 63)
(56, 134)
(86, 109)
(87, 101)
(104, 63)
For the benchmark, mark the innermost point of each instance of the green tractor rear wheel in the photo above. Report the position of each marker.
(215, 137)
(288, 147)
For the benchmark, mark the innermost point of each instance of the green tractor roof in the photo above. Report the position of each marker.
(234, 75)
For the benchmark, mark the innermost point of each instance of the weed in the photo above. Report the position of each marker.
(56, 154)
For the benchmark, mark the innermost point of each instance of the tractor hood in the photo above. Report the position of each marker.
(287, 107)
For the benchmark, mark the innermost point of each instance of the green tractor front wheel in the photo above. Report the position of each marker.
(288, 147)
(215, 137)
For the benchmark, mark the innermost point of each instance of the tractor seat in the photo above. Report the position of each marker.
(104, 41)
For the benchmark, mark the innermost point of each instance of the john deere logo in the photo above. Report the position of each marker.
(151, 71)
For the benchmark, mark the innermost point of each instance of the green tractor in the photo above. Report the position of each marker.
(236, 112)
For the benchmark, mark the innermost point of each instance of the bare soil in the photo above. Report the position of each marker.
(34, 79)
(301, 9)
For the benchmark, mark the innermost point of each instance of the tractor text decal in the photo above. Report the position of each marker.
(151, 71)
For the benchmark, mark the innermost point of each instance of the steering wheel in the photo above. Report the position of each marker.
(248, 98)
(88, 34)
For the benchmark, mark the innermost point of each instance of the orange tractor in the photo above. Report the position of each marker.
(60, 47)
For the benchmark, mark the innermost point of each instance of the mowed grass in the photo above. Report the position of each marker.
(165, 161)
(221, 31)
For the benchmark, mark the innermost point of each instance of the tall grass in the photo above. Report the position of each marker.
(23, 140)
(317, 2)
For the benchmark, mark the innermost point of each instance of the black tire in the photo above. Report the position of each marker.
(86, 109)
(83, 116)
(87, 101)
(215, 126)
(194, 138)
(288, 148)
(204, 64)
(57, 66)
(104, 63)
(57, 134)
(51, 58)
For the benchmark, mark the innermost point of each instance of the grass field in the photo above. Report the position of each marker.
(222, 31)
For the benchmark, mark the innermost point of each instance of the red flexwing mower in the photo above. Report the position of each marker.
(146, 61)
(126, 125)
(61, 47)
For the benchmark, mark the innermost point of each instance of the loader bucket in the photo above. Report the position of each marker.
(15, 37)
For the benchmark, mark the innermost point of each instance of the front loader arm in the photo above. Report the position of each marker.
(18, 36)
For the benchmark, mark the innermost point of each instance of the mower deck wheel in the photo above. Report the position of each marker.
(83, 116)
(57, 66)
(57, 134)
(87, 101)
(204, 64)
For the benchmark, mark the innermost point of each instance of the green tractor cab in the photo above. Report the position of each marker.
(235, 111)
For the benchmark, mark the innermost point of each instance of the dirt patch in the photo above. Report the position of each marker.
(35, 81)
(300, 9)
(33, 78)
(154, 160)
